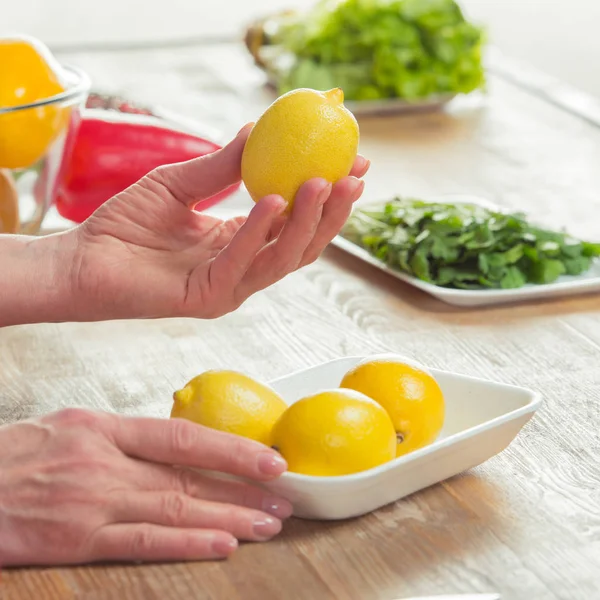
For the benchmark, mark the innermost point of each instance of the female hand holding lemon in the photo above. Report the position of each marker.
(146, 254)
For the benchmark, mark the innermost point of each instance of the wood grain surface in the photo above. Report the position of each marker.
(526, 523)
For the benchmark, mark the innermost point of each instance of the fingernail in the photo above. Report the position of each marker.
(277, 204)
(324, 193)
(354, 187)
(224, 546)
(358, 190)
(266, 527)
(282, 205)
(246, 126)
(278, 507)
(270, 463)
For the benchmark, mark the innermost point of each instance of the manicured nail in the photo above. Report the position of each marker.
(224, 546)
(358, 190)
(270, 463)
(354, 187)
(281, 205)
(246, 126)
(278, 507)
(325, 191)
(266, 527)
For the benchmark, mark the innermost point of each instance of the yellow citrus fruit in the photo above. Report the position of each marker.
(304, 134)
(9, 203)
(230, 401)
(29, 74)
(335, 432)
(407, 391)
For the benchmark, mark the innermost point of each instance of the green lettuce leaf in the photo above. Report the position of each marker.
(372, 49)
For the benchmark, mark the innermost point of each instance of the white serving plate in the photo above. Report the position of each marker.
(566, 285)
(482, 419)
(391, 106)
(386, 106)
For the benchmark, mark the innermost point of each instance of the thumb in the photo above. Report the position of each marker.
(194, 180)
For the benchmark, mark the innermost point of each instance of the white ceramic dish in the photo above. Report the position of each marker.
(564, 286)
(385, 107)
(365, 108)
(482, 419)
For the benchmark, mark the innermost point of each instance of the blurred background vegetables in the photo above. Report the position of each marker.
(372, 49)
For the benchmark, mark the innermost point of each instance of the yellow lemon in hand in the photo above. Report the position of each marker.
(230, 401)
(335, 432)
(304, 134)
(407, 391)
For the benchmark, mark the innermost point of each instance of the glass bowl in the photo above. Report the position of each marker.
(40, 137)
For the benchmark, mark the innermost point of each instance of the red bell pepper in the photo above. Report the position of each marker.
(111, 150)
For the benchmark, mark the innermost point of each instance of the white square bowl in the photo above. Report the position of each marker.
(482, 419)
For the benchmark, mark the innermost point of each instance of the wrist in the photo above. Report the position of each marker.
(35, 278)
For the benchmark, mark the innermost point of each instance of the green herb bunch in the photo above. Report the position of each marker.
(465, 245)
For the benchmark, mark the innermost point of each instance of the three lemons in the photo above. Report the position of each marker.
(386, 406)
(304, 134)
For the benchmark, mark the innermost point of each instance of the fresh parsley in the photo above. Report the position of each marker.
(466, 246)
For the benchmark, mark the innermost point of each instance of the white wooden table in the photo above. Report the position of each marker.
(526, 523)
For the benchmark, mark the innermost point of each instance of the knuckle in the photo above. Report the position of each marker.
(77, 446)
(241, 519)
(174, 508)
(237, 520)
(77, 417)
(238, 453)
(250, 496)
(160, 175)
(310, 258)
(186, 482)
(159, 180)
(142, 541)
(168, 181)
(282, 268)
(184, 436)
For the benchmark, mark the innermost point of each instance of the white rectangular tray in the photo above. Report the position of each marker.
(482, 419)
(565, 286)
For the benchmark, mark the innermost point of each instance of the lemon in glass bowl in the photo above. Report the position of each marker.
(40, 104)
